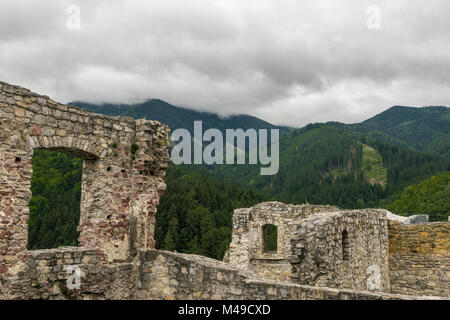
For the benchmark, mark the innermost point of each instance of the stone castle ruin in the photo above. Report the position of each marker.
(321, 252)
(324, 246)
(317, 245)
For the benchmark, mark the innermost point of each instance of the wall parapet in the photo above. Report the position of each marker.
(161, 275)
(168, 275)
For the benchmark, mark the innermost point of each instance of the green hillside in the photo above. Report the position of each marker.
(423, 129)
(372, 166)
(431, 197)
(322, 164)
(441, 146)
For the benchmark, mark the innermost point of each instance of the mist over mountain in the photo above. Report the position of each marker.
(423, 129)
(177, 117)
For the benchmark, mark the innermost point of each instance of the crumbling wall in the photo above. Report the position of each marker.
(167, 275)
(323, 256)
(123, 170)
(154, 274)
(50, 274)
(310, 245)
(419, 258)
(247, 244)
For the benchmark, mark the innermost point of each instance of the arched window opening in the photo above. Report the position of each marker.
(345, 246)
(55, 203)
(270, 236)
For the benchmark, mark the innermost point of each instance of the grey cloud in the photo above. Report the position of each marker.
(289, 62)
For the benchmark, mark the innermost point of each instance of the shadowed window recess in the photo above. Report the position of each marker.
(270, 237)
(345, 246)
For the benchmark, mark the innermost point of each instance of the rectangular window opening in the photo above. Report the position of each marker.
(270, 234)
(55, 203)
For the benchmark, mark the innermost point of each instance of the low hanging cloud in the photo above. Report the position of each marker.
(289, 62)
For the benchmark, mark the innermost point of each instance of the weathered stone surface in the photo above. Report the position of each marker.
(310, 246)
(413, 219)
(419, 259)
(429, 238)
(44, 275)
(158, 275)
(330, 259)
(120, 186)
(161, 277)
(247, 244)
(410, 257)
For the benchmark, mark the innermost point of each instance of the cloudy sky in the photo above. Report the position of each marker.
(288, 62)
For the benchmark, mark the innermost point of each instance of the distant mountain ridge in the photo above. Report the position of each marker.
(178, 117)
(423, 129)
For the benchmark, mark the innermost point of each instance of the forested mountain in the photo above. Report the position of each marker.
(176, 117)
(351, 166)
(322, 164)
(423, 129)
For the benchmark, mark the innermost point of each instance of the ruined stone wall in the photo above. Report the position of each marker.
(321, 259)
(247, 245)
(167, 275)
(429, 238)
(123, 170)
(157, 275)
(44, 275)
(310, 248)
(419, 258)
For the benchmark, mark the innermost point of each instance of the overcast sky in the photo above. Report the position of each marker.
(288, 62)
